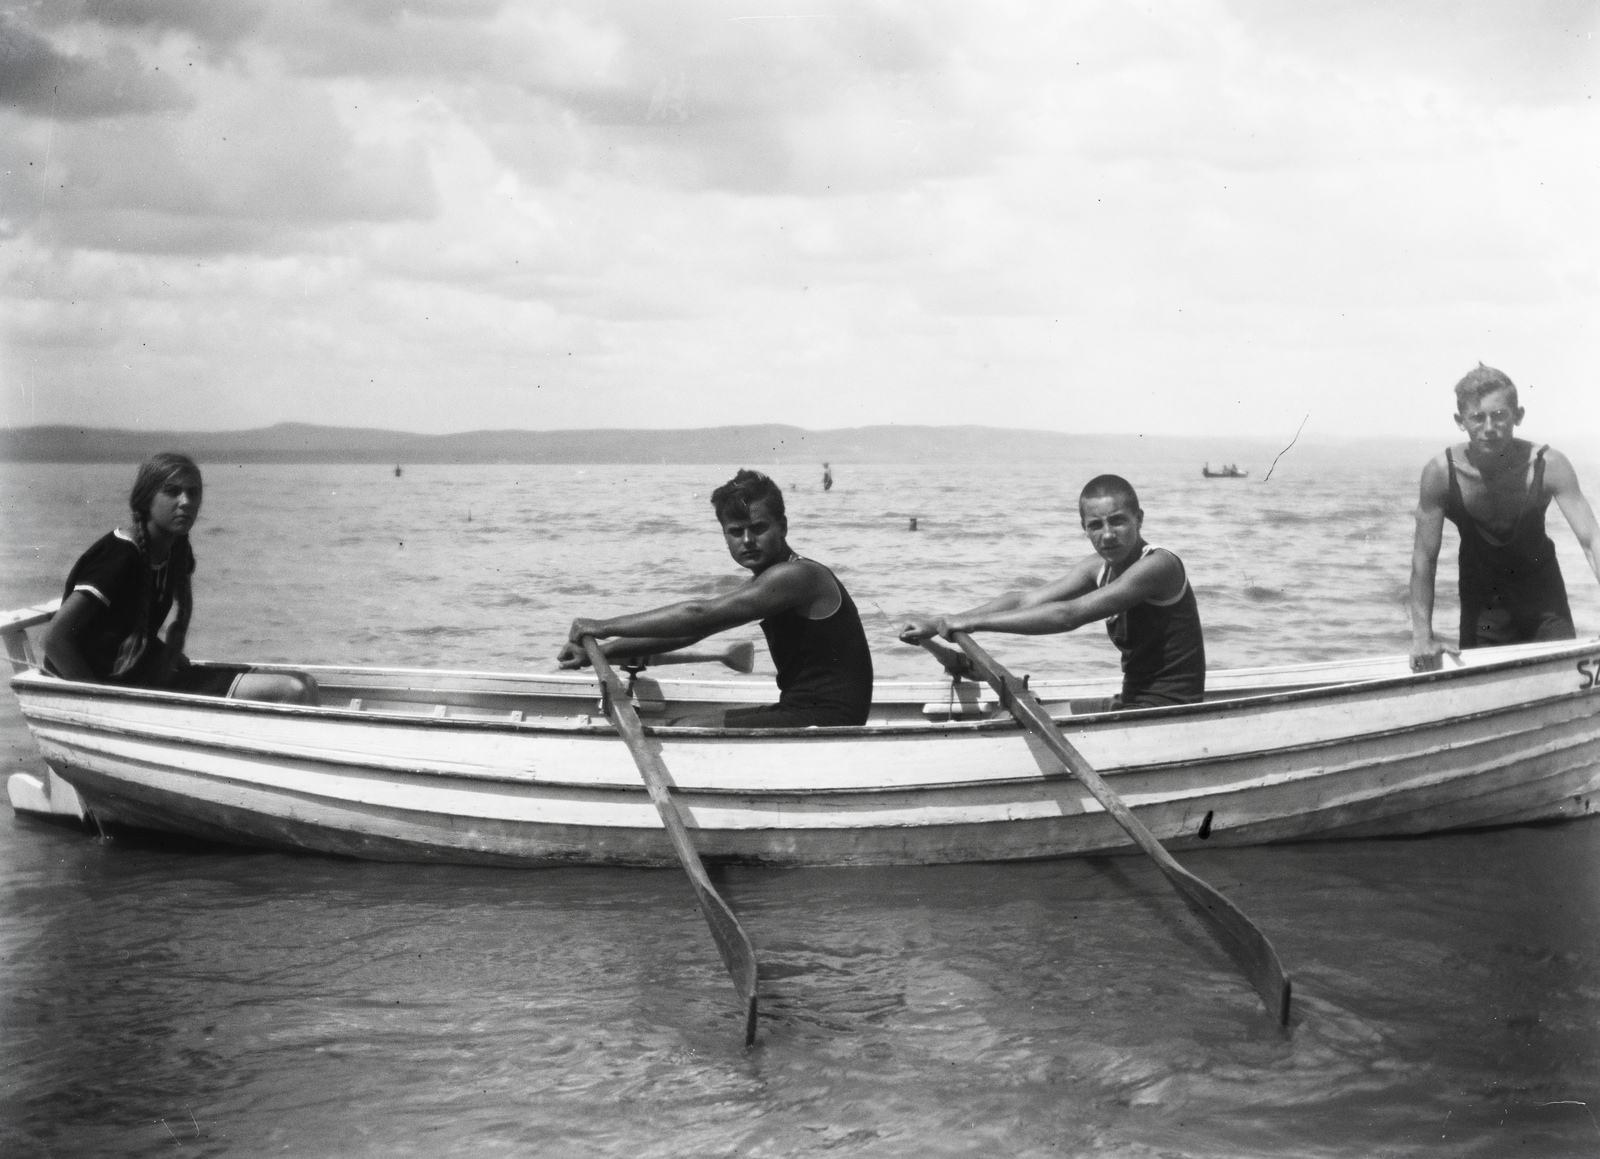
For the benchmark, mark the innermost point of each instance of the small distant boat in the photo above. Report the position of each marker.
(1229, 471)
(397, 471)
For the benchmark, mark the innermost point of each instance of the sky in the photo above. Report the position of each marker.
(1191, 217)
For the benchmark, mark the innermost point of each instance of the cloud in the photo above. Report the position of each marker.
(254, 169)
(1536, 53)
(1091, 216)
(217, 24)
(37, 78)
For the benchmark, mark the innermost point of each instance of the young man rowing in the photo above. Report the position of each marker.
(1141, 591)
(811, 624)
(1495, 488)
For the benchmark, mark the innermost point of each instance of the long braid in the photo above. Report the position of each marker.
(153, 474)
(178, 569)
(141, 540)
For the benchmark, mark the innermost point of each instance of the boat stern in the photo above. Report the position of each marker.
(47, 798)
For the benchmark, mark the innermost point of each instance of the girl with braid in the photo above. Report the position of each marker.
(121, 590)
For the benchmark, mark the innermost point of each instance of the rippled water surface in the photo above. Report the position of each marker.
(204, 1001)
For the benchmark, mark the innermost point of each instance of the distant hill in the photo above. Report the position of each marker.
(755, 445)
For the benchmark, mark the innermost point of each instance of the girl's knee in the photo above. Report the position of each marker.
(277, 688)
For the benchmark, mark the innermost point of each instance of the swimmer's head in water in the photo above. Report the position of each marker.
(1109, 487)
(735, 497)
(1479, 381)
(154, 473)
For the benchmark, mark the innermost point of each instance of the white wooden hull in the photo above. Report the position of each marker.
(1512, 736)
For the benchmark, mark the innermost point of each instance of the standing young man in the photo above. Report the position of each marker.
(811, 624)
(1141, 591)
(1495, 488)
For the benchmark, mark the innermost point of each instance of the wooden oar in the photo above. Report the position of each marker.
(955, 663)
(738, 955)
(741, 657)
(1224, 921)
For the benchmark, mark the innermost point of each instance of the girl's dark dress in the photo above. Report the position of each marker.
(133, 598)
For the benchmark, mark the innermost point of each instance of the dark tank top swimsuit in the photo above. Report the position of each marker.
(1163, 649)
(824, 669)
(1511, 592)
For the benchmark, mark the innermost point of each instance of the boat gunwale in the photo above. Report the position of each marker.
(93, 691)
(580, 680)
(896, 731)
(1039, 777)
(589, 725)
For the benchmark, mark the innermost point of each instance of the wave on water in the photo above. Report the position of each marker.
(1398, 591)
(718, 585)
(508, 599)
(483, 529)
(1260, 595)
(1372, 512)
(572, 588)
(984, 532)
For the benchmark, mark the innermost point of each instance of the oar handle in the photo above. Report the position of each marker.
(956, 663)
(741, 657)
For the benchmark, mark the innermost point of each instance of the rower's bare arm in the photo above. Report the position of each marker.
(1563, 483)
(1425, 649)
(61, 637)
(919, 626)
(1079, 581)
(1157, 576)
(1076, 582)
(783, 588)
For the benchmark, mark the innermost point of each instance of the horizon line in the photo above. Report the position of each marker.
(1313, 436)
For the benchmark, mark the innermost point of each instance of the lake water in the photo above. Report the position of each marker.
(161, 1000)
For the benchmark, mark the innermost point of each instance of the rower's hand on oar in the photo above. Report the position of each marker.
(1429, 656)
(582, 627)
(916, 629)
(572, 654)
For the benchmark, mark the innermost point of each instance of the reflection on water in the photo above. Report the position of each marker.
(203, 1001)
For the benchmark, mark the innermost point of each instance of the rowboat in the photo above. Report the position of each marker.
(526, 769)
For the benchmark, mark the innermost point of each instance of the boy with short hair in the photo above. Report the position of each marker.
(1140, 590)
(1495, 488)
(813, 631)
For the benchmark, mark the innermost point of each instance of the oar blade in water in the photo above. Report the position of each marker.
(738, 955)
(1238, 936)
